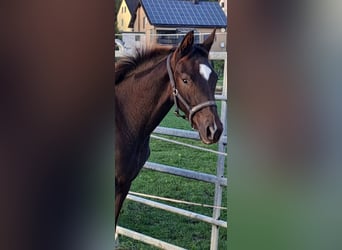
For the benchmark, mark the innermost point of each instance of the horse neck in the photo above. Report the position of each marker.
(143, 101)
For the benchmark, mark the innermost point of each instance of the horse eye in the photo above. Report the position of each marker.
(185, 81)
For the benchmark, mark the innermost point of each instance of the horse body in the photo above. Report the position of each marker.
(143, 97)
(134, 126)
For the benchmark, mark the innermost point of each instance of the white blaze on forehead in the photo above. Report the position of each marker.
(205, 71)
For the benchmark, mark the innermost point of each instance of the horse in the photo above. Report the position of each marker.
(147, 85)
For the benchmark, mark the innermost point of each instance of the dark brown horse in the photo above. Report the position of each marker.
(146, 87)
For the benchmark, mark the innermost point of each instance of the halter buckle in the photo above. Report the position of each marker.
(175, 92)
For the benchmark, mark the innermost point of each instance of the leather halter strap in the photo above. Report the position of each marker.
(177, 96)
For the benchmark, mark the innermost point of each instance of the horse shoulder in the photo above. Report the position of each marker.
(130, 157)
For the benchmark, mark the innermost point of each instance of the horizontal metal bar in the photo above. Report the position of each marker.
(188, 145)
(212, 55)
(133, 34)
(177, 132)
(219, 55)
(175, 200)
(221, 97)
(186, 173)
(182, 133)
(179, 211)
(147, 239)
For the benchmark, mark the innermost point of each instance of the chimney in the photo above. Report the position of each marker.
(195, 1)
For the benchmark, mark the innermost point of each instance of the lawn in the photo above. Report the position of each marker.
(175, 229)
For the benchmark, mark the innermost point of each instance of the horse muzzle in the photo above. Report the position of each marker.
(210, 131)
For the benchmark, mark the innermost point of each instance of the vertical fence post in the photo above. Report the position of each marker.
(220, 163)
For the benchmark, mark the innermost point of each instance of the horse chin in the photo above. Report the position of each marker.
(205, 140)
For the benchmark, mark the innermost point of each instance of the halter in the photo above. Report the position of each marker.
(176, 95)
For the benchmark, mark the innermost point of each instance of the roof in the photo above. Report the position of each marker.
(175, 13)
(132, 5)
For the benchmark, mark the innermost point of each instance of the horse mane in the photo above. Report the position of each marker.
(128, 64)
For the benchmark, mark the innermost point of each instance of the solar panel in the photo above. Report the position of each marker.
(184, 13)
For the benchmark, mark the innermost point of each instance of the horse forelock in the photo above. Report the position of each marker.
(200, 49)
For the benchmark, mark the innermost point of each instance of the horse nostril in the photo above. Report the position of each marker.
(211, 130)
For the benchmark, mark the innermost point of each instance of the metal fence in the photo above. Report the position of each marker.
(130, 40)
(216, 179)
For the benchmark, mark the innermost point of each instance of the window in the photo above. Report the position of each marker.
(144, 23)
(182, 32)
(167, 37)
(122, 22)
(137, 38)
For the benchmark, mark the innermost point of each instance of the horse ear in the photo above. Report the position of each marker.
(209, 41)
(185, 46)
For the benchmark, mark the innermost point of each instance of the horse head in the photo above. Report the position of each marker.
(194, 80)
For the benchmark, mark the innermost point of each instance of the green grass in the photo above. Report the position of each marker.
(166, 226)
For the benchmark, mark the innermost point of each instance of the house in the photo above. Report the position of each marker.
(167, 21)
(125, 13)
(223, 4)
